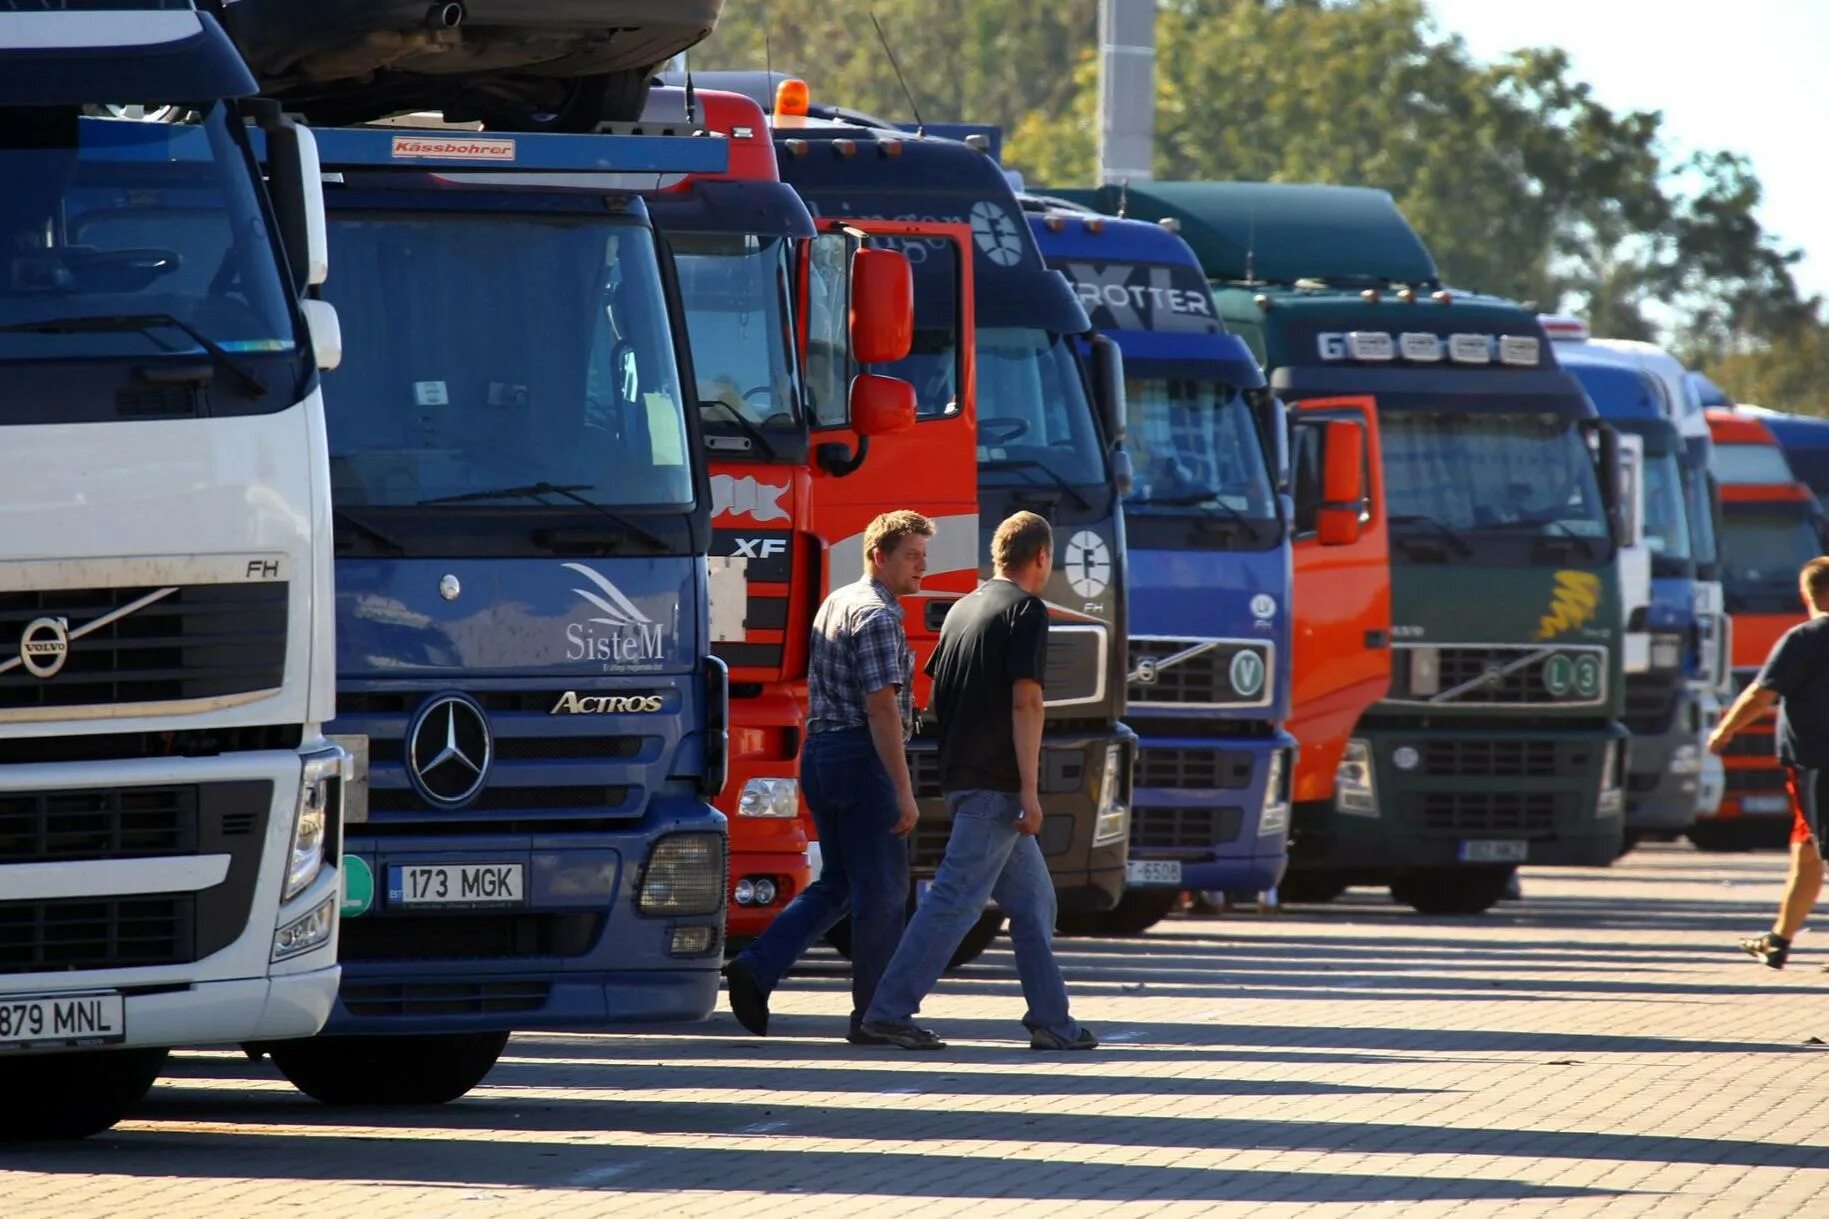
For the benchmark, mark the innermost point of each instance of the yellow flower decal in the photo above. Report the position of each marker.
(1572, 604)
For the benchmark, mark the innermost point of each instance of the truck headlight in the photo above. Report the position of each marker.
(1667, 651)
(684, 876)
(1612, 801)
(1686, 760)
(319, 807)
(1275, 817)
(1113, 824)
(1355, 791)
(306, 932)
(769, 798)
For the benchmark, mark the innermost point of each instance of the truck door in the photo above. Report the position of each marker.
(1342, 656)
(931, 466)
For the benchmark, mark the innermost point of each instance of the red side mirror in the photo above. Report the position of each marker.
(881, 405)
(1337, 522)
(882, 306)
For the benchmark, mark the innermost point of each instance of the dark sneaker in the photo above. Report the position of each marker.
(902, 1036)
(1043, 1039)
(1768, 948)
(857, 1036)
(748, 1001)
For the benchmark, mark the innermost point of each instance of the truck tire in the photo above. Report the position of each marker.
(1452, 890)
(976, 940)
(1136, 912)
(423, 1069)
(1738, 834)
(1310, 888)
(73, 1096)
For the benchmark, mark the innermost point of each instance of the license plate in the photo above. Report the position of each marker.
(62, 1020)
(1157, 873)
(1765, 804)
(456, 884)
(1494, 851)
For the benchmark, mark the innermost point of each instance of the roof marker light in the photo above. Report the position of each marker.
(889, 148)
(978, 142)
(1171, 223)
(1443, 297)
(1407, 295)
(1369, 296)
(845, 148)
(792, 98)
(1262, 302)
(1095, 224)
(796, 148)
(1055, 221)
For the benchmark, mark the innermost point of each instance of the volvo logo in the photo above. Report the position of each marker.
(1145, 674)
(45, 646)
(449, 750)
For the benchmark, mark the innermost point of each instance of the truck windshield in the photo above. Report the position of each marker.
(1033, 413)
(1666, 522)
(1763, 548)
(1196, 450)
(735, 290)
(1749, 465)
(117, 221)
(493, 354)
(1515, 472)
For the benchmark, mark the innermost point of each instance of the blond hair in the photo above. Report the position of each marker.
(1814, 577)
(888, 530)
(1019, 540)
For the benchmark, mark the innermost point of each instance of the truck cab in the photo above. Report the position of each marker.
(1771, 525)
(1209, 651)
(523, 519)
(1498, 741)
(171, 806)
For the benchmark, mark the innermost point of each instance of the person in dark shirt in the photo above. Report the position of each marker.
(988, 672)
(1795, 679)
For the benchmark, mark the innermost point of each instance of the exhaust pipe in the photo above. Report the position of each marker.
(447, 16)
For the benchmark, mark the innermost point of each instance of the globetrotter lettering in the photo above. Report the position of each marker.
(632, 640)
(573, 703)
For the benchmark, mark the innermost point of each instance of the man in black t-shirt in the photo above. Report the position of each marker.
(1795, 679)
(988, 672)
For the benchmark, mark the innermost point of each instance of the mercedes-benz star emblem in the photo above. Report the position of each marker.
(449, 750)
(44, 646)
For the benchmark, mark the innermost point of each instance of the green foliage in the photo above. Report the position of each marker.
(1520, 180)
(1789, 373)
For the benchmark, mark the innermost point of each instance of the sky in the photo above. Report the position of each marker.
(1751, 76)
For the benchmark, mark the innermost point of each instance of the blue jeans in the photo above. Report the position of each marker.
(986, 858)
(864, 867)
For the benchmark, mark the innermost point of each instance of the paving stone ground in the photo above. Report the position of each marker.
(1596, 1049)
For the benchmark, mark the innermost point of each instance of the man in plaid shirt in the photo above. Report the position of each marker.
(854, 769)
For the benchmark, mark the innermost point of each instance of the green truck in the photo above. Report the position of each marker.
(1500, 740)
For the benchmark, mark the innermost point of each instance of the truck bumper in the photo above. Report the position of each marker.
(1658, 796)
(576, 953)
(1085, 850)
(1534, 784)
(1202, 801)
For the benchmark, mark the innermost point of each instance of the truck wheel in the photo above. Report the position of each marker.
(970, 948)
(1136, 912)
(1311, 888)
(72, 1096)
(1452, 890)
(424, 1069)
(1734, 834)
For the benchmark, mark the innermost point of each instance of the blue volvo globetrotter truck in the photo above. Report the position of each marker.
(522, 518)
(1209, 653)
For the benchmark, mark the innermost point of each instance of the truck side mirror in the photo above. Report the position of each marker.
(296, 183)
(326, 332)
(1337, 521)
(1108, 387)
(882, 306)
(881, 406)
(1606, 457)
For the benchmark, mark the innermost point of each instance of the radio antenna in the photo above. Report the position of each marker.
(920, 127)
(692, 97)
(1123, 198)
(1251, 245)
(768, 65)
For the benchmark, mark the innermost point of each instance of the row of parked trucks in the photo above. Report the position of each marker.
(418, 522)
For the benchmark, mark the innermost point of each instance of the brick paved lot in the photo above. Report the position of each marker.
(1595, 1049)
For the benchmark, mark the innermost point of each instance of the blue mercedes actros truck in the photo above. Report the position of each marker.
(1207, 667)
(522, 520)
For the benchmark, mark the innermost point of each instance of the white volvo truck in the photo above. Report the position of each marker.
(169, 807)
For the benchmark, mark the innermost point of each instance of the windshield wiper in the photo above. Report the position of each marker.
(143, 322)
(539, 491)
(1029, 463)
(1206, 499)
(1446, 533)
(343, 516)
(747, 426)
(1569, 534)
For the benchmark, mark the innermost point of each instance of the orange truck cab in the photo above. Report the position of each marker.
(1771, 526)
(786, 317)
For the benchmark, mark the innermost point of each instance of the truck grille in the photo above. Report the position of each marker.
(1474, 758)
(1759, 741)
(97, 823)
(1155, 828)
(1182, 769)
(1498, 675)
(201, 641)
(1464, 814)
(1761, 780)
(84, 934)
(443, 998)
(1076, 664)
(1651, 702)
(441, 937)
(1189, 672)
